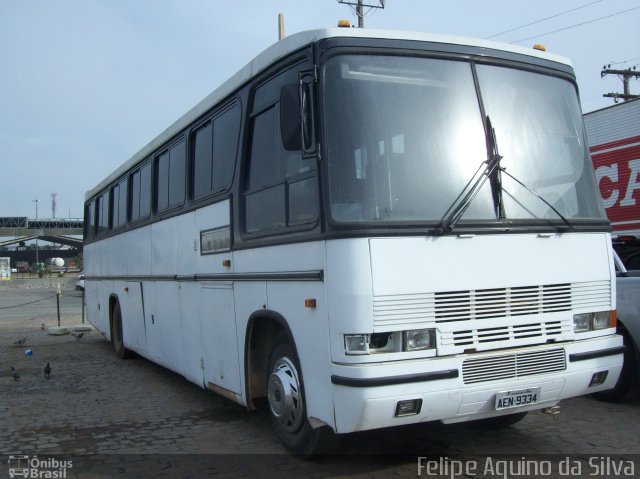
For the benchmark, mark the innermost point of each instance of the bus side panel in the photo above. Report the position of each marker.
(249, 297)
(191, 341)
(187, 240)
(114, 258)
(219, 334)
(163, 332)
(310, 329)
(94, 307)
(287, 298)
(138, 252)
(349, 287)
(134, 327)
(164, 246)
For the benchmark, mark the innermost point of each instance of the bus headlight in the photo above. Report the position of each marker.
(419, 339)
(356, 344)
(390, 342)
(591, 321)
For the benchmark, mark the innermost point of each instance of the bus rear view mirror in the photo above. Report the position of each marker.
(290, 117)
(296, 117)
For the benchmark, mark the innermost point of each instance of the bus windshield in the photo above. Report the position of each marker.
(406, 134)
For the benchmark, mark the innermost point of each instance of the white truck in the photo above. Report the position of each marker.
(613, 134)
(628, 307)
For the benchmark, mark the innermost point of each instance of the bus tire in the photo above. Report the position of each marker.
(287, 405)
(626, 379)
(116, 334)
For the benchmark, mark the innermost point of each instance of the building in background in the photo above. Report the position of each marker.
(613, 134)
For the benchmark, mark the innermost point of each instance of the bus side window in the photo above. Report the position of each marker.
(140, 193)
(214, 147)
(118, 204)
(102, 214)
(280, 189)
(170, 177)
(89, 220)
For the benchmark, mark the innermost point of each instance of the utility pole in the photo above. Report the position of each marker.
(358, 6)
(36, 202)
(280, 26)
(53, 204)
(625, 76)
(360, 14)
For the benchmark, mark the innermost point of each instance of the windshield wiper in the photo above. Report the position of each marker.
(488, 169)
(560, 215)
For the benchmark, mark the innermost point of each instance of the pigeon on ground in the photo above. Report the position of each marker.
(47, 371)
(77, 336)
(20, 341)
(15, 374)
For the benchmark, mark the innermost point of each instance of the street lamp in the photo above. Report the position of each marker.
(36, 202)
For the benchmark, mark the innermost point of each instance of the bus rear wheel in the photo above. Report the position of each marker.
(287, 406)
(116, 334)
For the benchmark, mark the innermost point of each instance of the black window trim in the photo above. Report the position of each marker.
(123, 180)
(211, 117)
(330, 48)
(138, 169)
(300, 60)
(155, 211)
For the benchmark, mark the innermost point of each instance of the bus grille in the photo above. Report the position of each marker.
(547, 329)
(460, 306)
(491, 303)
(511, 366)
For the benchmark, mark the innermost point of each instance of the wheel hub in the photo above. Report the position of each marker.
(285, 398)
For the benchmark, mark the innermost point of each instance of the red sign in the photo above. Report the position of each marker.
(617, 166)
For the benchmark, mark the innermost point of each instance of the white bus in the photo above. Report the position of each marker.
(368, 229)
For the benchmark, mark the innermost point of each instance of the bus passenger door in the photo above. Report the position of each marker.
(219, 337)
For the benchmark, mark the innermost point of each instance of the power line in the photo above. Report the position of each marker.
(624, 61)
(543, 19)
(576, 25)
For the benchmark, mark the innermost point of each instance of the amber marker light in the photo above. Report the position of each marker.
(309, 303)
(540, 47)
(226, 263)
(344, 24)
(613, 319)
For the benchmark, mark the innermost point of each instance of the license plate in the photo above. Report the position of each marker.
(522, 397)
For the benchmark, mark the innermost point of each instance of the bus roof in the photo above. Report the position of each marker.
(291, 44)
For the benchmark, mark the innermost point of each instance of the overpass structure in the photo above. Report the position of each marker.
(53, 230)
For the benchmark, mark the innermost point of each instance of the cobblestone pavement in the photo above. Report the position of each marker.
(115, 418)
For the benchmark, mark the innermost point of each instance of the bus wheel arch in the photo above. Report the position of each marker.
(264, 330)
(273, 372)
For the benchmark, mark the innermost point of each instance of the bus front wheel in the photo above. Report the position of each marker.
(116, 334)
(287, 405)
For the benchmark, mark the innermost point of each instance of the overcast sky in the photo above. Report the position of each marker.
(85, 84)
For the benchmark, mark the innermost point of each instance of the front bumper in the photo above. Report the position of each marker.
(366, 396)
